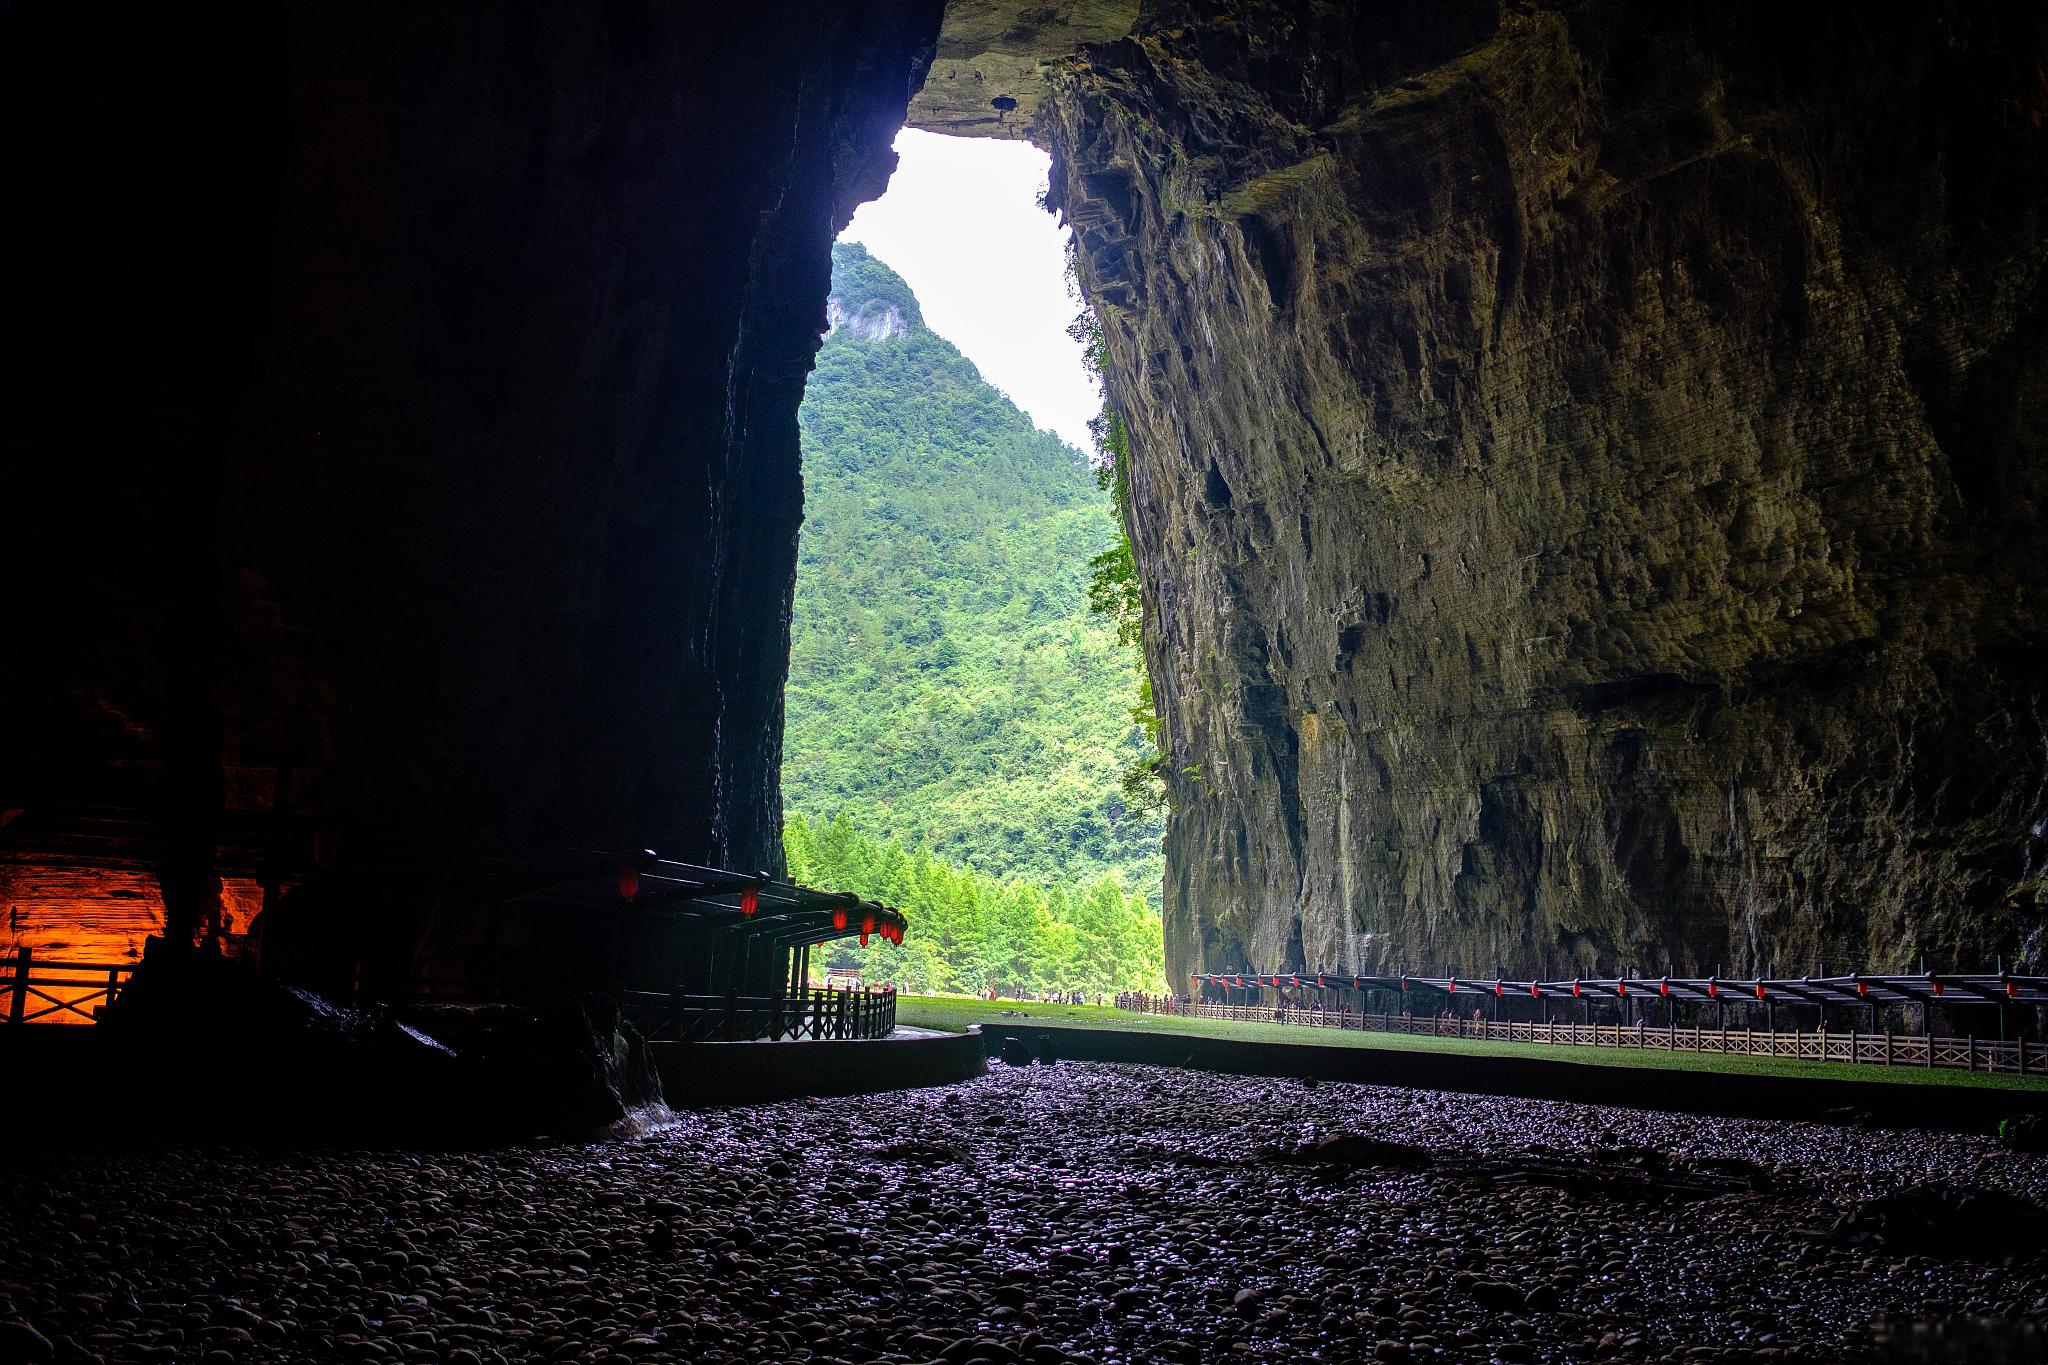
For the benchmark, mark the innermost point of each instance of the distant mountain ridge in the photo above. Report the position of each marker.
(947, 685)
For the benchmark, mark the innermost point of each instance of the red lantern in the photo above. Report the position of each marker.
(1759, 990)
(839, 917)
(867, 924)
(1452, 986)
(1297, 981)
(629, 881)
(1862, 989)
(1533, 992)
(2012, 991)
(1575, 990)
(1937, 984)
(750, 900)
(1664, 986)
(1713, 990)
(1620, 988)
(1497, 988)
(1404, 983)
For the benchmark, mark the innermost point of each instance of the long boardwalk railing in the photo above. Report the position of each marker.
(44, 990)
(2019, 1057)
(829, 1013)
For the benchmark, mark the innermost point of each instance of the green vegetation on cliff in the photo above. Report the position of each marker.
(950, 694)
(1114, 591)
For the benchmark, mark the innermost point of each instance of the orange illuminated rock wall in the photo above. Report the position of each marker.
(95, 916)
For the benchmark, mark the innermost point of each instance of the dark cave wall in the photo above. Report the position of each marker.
(1588, 475)
(410, 399)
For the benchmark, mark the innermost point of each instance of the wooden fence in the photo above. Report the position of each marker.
(2020, 1057)
(678, 1017)
(58, 992)
(43, 990)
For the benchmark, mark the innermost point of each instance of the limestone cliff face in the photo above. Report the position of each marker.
(409, 402)
(1588, 475)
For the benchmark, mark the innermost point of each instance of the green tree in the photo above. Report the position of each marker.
(969, 931)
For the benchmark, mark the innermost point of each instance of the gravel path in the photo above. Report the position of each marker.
(1113, 1213)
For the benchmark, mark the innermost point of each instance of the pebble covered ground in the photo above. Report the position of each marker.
(1043, 1214)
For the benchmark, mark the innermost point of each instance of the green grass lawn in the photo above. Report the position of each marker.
(954, 1013)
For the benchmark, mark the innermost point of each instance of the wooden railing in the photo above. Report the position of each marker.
(2019, 1057)
(58, 992)
(682, 1017)
(44, 990)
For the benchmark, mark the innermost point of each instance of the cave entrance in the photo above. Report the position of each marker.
(959, 723)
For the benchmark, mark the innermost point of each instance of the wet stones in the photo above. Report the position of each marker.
(1946, 1220)
(21, 1344)
(1495, 1294)
(1029, 1217)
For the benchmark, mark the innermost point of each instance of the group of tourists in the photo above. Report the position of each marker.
(1051, 997)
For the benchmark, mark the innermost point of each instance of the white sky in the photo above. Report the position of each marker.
(961, 223)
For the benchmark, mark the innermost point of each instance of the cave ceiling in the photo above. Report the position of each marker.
(989, 74)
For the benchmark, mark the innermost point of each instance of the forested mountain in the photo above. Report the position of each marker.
(948, 687)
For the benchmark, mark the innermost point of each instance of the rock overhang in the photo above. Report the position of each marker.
(989, 75)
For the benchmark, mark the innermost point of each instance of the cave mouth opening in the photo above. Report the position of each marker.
(958, 720)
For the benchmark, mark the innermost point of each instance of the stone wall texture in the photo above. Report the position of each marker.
(406, 396)
(1588, 475)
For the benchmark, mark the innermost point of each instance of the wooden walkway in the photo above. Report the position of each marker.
(2019, 1057)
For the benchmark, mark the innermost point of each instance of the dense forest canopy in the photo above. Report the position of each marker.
(970, 932)
(950, 695)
